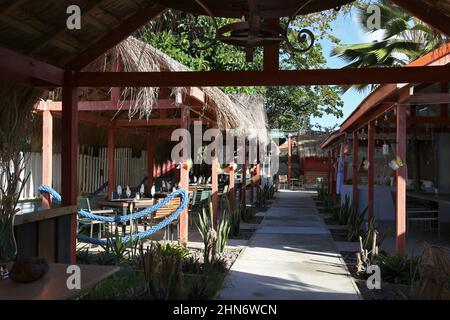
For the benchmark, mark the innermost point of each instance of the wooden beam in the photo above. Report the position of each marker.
(184, 178)
(110, 105)
(429, 98)
(47, 155)
(67, 225)
(392, 75)
(400, 239)
(445, 102)
(127, 27)
(355, 175)
(111, 161)
(215, 185)
(47, 38)
(25, 70)
(289, 160)
(427, 13)
(371, 170)
(272, 52)
(157, 122)
(244, 176)
(89, 118)
(344, 171)
(46, 228)
(232, 189)
(150, 160)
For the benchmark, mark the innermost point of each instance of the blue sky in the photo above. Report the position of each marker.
(346, 29)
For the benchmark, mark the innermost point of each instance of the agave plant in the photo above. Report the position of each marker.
(163, 274)
(115, 247)
(354, 223)
(214, 240)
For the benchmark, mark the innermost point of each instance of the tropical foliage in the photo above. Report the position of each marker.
(403, 39)
(289, 108)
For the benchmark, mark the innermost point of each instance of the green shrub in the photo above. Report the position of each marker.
(344, 211)
(354, 223)
(173, 249)
(398, 269)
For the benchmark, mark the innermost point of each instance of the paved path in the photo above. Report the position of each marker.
(291, 256)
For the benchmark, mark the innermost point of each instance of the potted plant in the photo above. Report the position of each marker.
(15, 128)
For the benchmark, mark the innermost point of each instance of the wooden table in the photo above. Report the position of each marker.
(428, 196)
(125, 203)
(53, 285)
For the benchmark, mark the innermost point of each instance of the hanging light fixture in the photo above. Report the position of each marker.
(253, 31)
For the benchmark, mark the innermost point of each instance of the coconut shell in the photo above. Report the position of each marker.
(28, 269)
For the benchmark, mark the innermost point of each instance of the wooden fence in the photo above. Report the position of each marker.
(92, 170)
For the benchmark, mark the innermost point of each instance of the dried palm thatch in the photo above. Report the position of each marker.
(243, 113)
(253, 117)
(133, 55)
(308, 144)
(434, 273)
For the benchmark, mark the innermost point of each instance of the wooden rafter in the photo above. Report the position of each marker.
(44, 40)
(107, 42)
(427, 14)
(267, 78)
(26, 70)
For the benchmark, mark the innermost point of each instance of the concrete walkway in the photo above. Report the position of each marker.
(291, 256)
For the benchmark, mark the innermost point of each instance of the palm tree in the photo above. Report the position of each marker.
(405, 39)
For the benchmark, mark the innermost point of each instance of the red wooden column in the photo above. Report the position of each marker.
(333, 171)
(355, 167)
(289, 160)
(67, 225)
(215, 187)
(47, 236)
(344, 171)
(371, 170)
(150, 161)
(111, 161)
(232, 189)
(184, 178)
(330, 164)
(47, 155)
(244, 175)
(252, 183)
(400, 240)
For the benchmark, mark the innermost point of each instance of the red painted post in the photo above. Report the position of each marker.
(289, 160)
(215, 188)
(67, 225)
(252, 183)
(111, 161)
(232, 189)
(244, 175)
(371, 170)
(400, 240)
(355, 175)
(333, 171)
(184, 178)
(47, 155)
(344, 171)
(150, 161)
(330, 163)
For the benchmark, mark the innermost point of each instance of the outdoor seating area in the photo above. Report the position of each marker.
(235, 150)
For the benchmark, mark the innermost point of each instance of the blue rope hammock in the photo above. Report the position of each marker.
(183, 194)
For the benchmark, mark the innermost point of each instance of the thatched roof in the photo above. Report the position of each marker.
(308, 144)
(253, 117)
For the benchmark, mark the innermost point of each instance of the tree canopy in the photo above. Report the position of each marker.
(178, 34)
